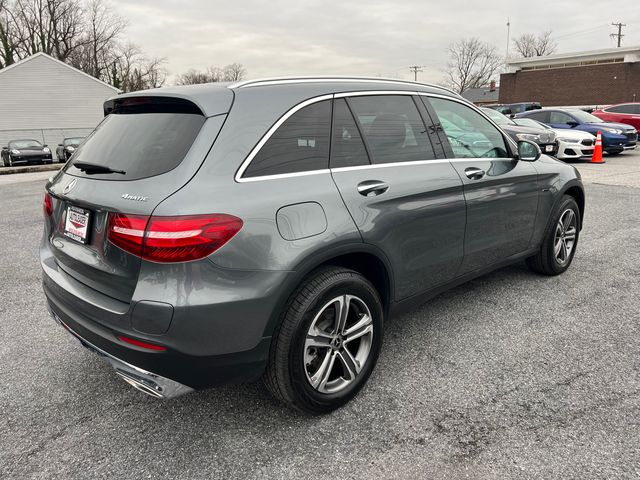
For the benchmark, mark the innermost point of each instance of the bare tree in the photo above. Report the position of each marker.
(132, 71)
(50, 26)
(230, 73)
(97, 47)
(9, 35)
(234, 72)
(528, 45)
(193, 77)
(472, 64)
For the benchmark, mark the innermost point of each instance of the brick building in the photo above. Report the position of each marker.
(598, 77)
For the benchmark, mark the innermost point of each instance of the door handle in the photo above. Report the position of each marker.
(474, 173)
(371, 188)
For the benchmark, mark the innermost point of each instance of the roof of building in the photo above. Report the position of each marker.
(482, 94)
(605, 55)
(42, 54)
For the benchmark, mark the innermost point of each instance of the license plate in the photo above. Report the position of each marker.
(76, 225)
(548, 148)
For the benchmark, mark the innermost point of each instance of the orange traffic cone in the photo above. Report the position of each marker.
(597, 152)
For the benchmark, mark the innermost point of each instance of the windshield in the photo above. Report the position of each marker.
(72, 142)
(497, 117)
(584, 117)
(25, 144)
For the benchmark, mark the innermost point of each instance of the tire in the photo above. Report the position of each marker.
(551, 260)
(314, 378)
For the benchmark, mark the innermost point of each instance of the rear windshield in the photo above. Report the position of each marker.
(140, 140)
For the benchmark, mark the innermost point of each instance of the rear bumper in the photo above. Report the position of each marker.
(171, 370)
(147, 382)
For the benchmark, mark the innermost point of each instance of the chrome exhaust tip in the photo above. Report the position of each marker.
(146, 386)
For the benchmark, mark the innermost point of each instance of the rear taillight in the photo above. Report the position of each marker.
(47, 205)
(172, 239)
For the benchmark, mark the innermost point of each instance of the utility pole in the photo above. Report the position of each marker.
(415, 69)
(508, 36)
(619, 35)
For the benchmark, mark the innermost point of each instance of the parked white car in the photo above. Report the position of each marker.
(572, 144)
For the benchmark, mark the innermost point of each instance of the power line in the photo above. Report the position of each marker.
(581, 32)
(415, 69)
(619, 35)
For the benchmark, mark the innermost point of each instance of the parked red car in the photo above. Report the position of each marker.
(628, 113)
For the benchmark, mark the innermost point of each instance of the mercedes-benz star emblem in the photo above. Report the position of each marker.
(69, 187)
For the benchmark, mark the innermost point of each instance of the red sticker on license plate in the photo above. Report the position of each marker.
(76, 225)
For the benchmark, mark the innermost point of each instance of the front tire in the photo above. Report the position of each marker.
(327, 343)
(560, 240)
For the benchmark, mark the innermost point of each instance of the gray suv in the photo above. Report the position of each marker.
(267, 229)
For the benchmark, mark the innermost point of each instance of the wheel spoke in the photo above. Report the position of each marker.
(565, 251)
(319, 379)
(362, 327)
(342, 312)
(568, 219)
(557, 247)
(570, 234)
(351, 367)
(318, 339)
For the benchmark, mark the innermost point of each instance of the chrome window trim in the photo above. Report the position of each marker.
(245, 164)
(283, 175)
(265, 138)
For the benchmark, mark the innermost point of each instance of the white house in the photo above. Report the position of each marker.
(47, 100)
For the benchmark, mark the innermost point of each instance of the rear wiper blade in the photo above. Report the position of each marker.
(89, 168)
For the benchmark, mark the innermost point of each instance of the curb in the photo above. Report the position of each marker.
(31, 169)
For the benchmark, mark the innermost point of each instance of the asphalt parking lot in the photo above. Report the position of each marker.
(510, 376)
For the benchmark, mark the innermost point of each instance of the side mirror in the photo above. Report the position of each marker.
(59, 144)
(528, 151)
(45, 145)
(572, 124)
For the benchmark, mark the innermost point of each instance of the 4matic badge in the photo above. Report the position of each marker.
(135, 198)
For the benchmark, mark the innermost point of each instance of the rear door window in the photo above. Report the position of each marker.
(541, 116)
(622, 109)
(141, 137)
(300, 144)
(560, 117)
(393, 128)
(347, 149)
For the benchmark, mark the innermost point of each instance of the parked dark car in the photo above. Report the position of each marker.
(213, 233)
(25, 151)
(544, 137)
(67, 147)
(616, 137)
(627, 113)
(511, 109)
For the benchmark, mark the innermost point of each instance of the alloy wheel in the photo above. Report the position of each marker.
(565, 236)
(338, 344)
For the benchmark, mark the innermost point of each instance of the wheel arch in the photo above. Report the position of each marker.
(363, 258)
(576, 190)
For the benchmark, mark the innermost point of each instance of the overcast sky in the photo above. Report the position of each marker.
(352, 37)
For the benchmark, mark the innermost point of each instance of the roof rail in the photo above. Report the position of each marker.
(319, 79)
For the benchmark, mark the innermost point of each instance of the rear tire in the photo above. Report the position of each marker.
(560, 240)
(327, 343)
